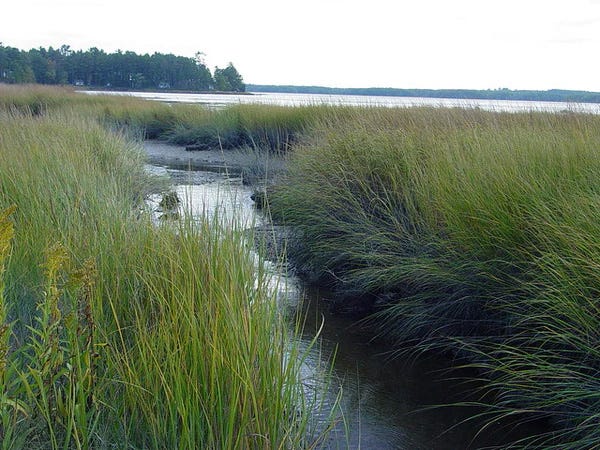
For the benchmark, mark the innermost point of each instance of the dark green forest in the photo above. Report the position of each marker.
(118, 70)
(552, 95)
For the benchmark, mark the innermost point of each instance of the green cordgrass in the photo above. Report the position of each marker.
(124, 334)
(465, 230)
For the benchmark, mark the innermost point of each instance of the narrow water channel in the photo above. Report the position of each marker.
(387, 402)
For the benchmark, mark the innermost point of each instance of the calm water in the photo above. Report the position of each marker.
(385, 400)
(357, 100)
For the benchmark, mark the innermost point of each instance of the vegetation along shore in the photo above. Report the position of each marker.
(461, 231)
(118, 332)
(120, 70)
(470, 232)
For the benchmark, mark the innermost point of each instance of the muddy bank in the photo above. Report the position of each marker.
(255, 167)
(164, 154)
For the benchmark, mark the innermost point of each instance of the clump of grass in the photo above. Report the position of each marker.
(464, 230)
(209, 367)
(271, 128)
(130, 334)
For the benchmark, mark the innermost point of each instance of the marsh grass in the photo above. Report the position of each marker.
(465, 231)
(274, 129)
(469, 231)
(268, 128)
(120, 333)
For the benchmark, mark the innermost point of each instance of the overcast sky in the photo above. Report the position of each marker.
(480, 44)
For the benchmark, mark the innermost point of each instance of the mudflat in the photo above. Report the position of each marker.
(164, 154)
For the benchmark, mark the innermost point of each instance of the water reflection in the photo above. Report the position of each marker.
(389, 402)
(209, 194)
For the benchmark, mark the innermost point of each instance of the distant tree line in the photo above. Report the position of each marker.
(119, 70)
(553, 95)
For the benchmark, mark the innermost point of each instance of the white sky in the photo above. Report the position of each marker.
(479, 44)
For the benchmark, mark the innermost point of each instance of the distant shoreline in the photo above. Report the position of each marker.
(552, 95)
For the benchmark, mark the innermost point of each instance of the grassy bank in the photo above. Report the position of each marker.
(271, 128)
(469, 231)
(115, 332)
